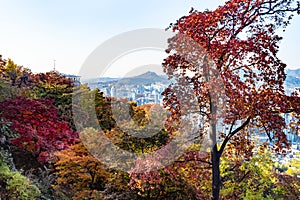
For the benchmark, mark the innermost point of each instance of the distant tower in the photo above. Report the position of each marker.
(54, 65)
(113, 91)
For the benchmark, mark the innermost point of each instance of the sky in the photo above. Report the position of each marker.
(34, 33)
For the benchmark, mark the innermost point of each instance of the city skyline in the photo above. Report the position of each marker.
(41, 32)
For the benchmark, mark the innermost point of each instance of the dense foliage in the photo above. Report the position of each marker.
(226, 60)
(41, 131)
(43, 157)
(15, 186)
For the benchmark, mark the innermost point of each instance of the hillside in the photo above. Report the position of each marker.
(143, 79)
(292, 80)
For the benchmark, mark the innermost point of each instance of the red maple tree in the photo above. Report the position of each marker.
(41, 131)
(240, 39)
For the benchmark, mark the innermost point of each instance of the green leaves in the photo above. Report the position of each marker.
(256, 178)
(16, 186)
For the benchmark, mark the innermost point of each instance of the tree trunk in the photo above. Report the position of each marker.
(216, 177)
(215, 158)
(215, 154)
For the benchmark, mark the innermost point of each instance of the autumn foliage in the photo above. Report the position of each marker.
(78, 171)
(41, 131)
(229, 59)
(227, 80)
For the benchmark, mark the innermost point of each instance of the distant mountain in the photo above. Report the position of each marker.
(292, 80)
(107, 79)
(293, 72)
(143, 79)
(94, 82)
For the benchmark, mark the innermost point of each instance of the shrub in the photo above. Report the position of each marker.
(14, 185)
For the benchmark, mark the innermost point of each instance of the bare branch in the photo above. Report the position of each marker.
(231, 134)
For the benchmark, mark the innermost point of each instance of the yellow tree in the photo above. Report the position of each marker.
(12, 71)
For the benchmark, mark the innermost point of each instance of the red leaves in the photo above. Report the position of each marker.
(52, 78)
(240, 38)
(40, 129)
(183, 177)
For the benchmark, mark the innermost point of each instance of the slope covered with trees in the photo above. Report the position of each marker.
(42, 155)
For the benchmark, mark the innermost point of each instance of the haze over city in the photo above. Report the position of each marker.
(35, 33)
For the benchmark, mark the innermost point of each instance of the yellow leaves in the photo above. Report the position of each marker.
(10, 65)
(294, 166)
(139, 185)
(12, 69)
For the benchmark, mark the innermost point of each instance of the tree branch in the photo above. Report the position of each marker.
(268, 133)
(241, 179)
(232, 133)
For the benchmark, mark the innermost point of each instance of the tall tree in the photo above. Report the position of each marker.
(240, 39)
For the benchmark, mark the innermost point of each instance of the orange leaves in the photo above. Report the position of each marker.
(78, 172)
(27, 112)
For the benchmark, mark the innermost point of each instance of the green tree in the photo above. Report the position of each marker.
(15, 186)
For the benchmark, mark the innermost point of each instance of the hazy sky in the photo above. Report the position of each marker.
(34, 32)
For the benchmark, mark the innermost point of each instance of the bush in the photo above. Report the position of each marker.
(14, 185)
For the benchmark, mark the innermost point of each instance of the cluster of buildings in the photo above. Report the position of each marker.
(75, 79)
(292, 136)
(141, 94)
(152, 93)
